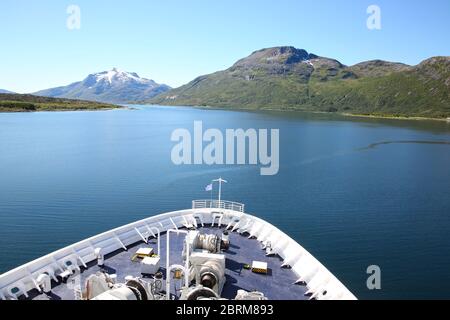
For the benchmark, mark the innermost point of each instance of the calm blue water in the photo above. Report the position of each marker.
(67, 176)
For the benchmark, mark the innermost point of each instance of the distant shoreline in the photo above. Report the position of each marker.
(14, 103)
(128, 107)
(393, 117)
(61, 110)
(345, 114)
(64, 110)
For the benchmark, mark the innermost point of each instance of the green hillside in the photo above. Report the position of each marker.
(30, 103)
(286, 78)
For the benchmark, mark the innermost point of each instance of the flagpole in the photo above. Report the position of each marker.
(220, 180)
(220, 189)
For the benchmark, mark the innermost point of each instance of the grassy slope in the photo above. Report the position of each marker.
(399, 94)
(30, 103)
(380, 90)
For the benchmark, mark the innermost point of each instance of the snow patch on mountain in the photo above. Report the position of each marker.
(113, 86)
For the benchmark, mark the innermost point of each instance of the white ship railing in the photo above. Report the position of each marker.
(321, 283)
(222, 204)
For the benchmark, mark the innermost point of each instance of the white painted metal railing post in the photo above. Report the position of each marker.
(159, 237)
(222, 204)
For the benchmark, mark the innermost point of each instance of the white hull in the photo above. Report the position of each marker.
(307, 268)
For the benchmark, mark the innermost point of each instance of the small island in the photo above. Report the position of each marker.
(31, 103)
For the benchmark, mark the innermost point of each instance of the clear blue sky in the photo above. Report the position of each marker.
(173, 41)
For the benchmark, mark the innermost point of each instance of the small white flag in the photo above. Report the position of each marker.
(209, 187)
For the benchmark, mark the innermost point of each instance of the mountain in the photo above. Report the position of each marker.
(286, 78)
(28, 103)
(113, 86)
(5, 91)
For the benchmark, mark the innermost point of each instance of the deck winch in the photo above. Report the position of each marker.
(101, 287)
(199, 241)
(207, 263)
(208, 270)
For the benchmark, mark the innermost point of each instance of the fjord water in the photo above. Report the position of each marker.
(354, 192)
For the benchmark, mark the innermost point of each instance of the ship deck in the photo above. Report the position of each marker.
(278, 284)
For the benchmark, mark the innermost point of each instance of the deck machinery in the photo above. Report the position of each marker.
(212, 251)
(204, 274)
